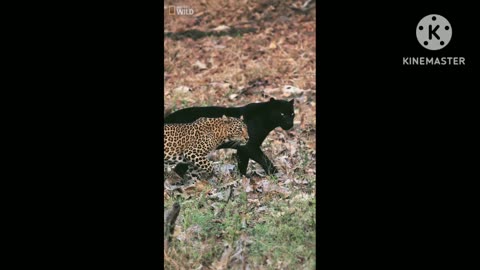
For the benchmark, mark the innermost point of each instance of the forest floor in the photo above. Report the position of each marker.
(231, 53)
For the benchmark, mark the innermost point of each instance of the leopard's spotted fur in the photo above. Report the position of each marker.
(191, 143)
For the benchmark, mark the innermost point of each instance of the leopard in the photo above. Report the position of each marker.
(190, 143)
(261, 118)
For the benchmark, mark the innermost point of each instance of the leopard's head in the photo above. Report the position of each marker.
(236, 129)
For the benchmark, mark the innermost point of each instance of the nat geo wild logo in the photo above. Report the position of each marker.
(434, 32)
(180, 10)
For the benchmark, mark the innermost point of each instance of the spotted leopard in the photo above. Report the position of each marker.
(191, 143)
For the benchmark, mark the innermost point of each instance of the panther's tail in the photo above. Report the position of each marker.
(167, 112)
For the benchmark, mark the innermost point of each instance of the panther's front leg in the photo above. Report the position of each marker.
(256, 154)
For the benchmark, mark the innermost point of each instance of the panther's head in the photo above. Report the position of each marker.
(281, 113)
(237, 129)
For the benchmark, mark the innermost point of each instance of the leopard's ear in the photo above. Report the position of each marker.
(241, 117)
(224, 117)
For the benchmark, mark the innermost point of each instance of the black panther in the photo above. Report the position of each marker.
(261, 118)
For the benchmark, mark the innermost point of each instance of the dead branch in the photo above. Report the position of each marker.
(230, 193)
(169, 218)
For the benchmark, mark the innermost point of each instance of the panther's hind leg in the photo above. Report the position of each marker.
(181, 169)
(242, 158)
(185, 164)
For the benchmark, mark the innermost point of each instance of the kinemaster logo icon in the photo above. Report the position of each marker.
(434, 33)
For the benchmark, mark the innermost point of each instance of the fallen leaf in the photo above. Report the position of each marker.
(195, 188)
(289, 90)
(272, 45)
(182, 90)
(223, 262)
(221, 28)
(226, 168)
(200, 65)
(188, 233)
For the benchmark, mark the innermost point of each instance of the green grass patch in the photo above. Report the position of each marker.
(280, 235)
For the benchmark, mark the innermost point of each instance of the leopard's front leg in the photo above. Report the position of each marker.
(200, 165)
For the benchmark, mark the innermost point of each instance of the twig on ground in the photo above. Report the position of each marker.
(230, 193)
(169, 217)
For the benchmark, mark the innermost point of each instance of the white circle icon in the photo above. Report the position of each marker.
(434, 32)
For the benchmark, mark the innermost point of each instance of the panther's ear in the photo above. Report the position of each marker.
(272, 99)
(291, 101)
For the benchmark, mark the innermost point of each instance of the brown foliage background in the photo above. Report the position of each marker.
(223, 53)
(231, 53)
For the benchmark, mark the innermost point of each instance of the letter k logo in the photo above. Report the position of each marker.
(433, 32)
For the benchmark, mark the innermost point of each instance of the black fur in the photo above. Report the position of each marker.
(261, 118)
